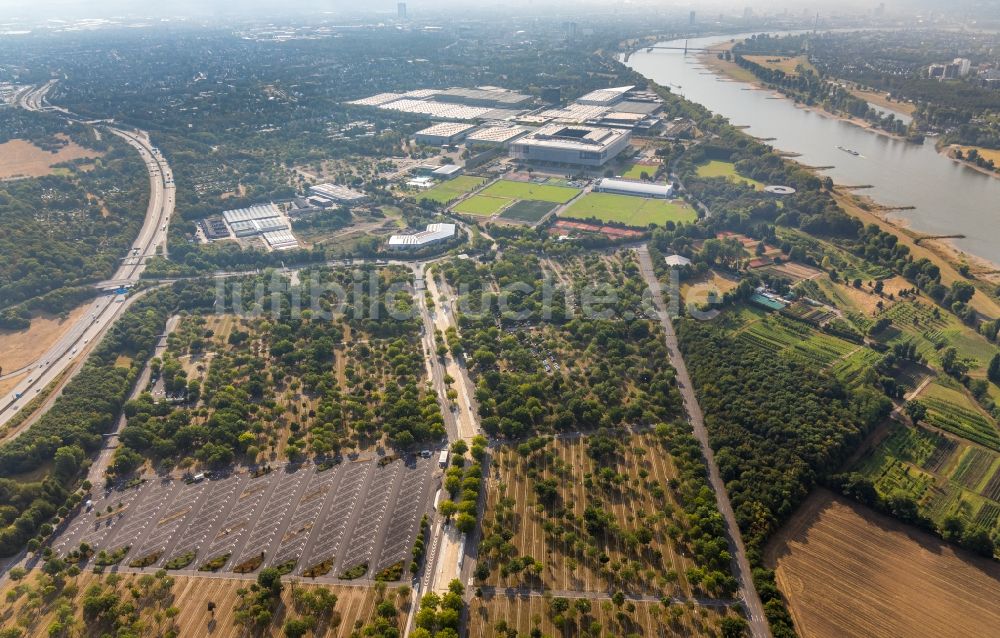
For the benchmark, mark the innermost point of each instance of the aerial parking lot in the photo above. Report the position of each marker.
(350, 521)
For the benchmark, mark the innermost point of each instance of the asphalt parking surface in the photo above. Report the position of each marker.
(357, 512)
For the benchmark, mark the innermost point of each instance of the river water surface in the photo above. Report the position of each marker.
(949, 198)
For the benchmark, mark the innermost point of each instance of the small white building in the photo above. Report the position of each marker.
(434, 234)
(677, 261)
(447, 171)
(637, 189)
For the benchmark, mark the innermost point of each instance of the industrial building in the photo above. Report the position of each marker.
(443, 133)
(605, 97)
(637, 189)
(481, 103)
(577, 145)
(280, 240)
(434, 234)
(215, 228)
(491, 96)
(254, 220)
(495, 135)
(337, 194)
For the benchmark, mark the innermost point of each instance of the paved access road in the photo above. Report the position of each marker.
(741, 566)
(106, 309)
(357, 512)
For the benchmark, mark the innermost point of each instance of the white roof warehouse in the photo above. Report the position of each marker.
(337, 193)
(434, 234)
(638, 189)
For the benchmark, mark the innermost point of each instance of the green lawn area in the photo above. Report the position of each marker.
(629, 210)
(635, 171)
(528, 211)
(716, 168)
(529, 190)
(450, 190)
(481, 205)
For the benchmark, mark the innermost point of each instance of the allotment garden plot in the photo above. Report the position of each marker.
(353, 519)
(946, 476)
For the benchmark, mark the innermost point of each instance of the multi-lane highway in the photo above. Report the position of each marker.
(80, 336)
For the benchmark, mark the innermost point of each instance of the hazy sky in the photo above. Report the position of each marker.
(16, 9)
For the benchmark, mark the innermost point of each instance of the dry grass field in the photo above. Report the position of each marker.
(641, 618)
(848, 571)
(881, 99)
(985, 153)
(21, 158)
(190, 595)
(631, 504)
(781, 63)
(20, 348)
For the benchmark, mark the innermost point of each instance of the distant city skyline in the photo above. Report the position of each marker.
(11, 9)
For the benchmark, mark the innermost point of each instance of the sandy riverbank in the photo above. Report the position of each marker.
(948, 151)
(732, 71)
(940, 251)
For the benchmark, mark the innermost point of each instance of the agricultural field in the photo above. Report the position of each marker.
(945, 476)
(501, 612)
(509, 189)
(933, 331)
(21, 158)
(546, 501)
(717, 168)
(797, 340)
(528, 211)
(950, 408)
(631, 211)
(481, 205)
(173, 602)
(449, 191)
(786, 64)
(849, 572)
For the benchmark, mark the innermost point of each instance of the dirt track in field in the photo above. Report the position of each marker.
(848, 571)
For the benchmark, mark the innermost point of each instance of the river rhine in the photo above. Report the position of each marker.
(949, 198)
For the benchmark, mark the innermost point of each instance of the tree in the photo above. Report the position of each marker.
(296, 628)
(733, 627)
(916, 411)
(269, 579)
(993, 372)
